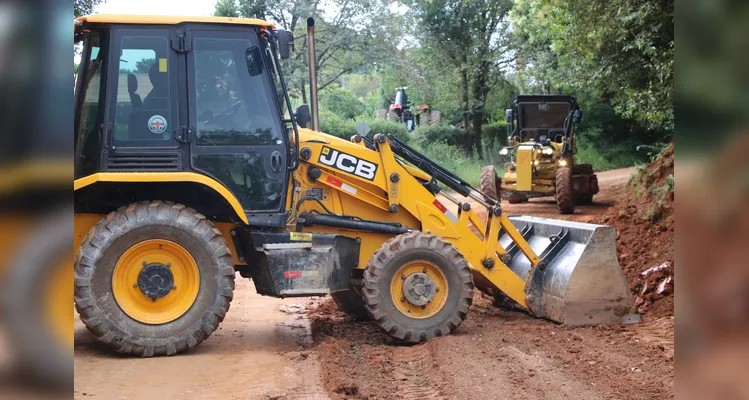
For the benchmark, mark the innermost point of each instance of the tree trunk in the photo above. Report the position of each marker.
(304, 91)
(478, 121)
(466, 112)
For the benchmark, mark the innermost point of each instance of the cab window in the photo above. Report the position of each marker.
(144, 93)
(233, 106)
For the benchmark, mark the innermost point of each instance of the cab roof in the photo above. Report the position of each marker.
(169, 20)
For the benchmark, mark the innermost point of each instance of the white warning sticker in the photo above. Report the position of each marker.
(157, 124)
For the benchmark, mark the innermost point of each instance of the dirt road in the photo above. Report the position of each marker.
(260, 352)
(257, 353)
(609, 182)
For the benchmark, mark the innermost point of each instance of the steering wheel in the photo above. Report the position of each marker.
(224, 114)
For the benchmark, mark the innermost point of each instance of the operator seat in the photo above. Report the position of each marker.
(158, 97)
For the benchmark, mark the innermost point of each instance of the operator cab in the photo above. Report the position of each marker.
(173, 94)
(543, 118)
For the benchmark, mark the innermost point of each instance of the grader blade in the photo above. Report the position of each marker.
(579, 280)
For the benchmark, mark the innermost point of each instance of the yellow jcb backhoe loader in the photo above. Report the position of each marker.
(191, 166)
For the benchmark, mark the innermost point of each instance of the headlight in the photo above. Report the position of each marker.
(562, 163)
(535, 163)
(504, 151)
(548, 151)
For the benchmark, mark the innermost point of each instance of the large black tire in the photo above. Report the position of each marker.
(352, 304)
(392, 116)
(399, 251)
(489, 182)
(133, 224)
(564, 194)
(41, 352)
(435, 117)
(382, 113)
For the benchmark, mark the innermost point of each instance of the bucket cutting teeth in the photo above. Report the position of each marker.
(579, 280)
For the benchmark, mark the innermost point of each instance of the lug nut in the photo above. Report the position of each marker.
(423, 307)
(135, 285)
(174, 288)
(144, 263)
(437, 289)
(424, 270)
(403, 277)
(168, 265)
(403, 299)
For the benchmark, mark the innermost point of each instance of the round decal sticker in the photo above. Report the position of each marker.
(157, 124)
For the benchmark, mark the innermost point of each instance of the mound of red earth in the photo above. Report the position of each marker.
(644, 222)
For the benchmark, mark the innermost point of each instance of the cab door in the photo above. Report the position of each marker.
(234, 120)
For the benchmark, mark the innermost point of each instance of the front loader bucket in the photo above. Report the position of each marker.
(581, 282)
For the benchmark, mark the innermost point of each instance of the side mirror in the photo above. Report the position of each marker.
(508, 115)
(254, 61)
(302, 115)
(577, 116)
(285, 41)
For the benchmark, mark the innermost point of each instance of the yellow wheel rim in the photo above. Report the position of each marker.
(163, 254)
(425, 289)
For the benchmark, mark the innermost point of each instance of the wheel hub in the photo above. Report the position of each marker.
(155, 280)
(419, 289)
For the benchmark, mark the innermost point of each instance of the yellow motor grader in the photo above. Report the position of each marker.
(191, 166)
(543, 146)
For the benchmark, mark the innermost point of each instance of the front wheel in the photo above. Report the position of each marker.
(565, 197)
(418, 286)
(490, 183)
(153, 278)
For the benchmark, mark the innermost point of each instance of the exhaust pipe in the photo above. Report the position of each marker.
(312, 73)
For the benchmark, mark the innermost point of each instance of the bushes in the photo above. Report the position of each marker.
(345, 128)
(341, 102)
(609, 157)
(446, 134)
(455, 160)
(495, 133)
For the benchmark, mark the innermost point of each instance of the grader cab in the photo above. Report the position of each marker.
(542, 145)
(191, 166)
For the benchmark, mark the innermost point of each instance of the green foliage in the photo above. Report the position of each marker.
(604, 158)
(350, 36)
(341, 102)
(445, 134)
(84, 7)
(495, 133)
(623, 48)
(345, 128)
(455, 160)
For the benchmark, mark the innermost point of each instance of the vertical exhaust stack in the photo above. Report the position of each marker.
(312, 73)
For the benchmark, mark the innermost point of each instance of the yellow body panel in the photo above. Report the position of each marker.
(169, 20)
(163, 177)
(524, 168)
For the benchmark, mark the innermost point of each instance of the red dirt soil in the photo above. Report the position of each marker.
(644, 224)
(499, 353)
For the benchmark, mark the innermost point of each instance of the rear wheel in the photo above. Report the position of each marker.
(382, 113)
(490, 182)
(393, 116)
(153, 278)
(418, 286)
(565, 199)
(435, 117)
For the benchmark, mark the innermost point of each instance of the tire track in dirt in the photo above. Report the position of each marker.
(414, 372)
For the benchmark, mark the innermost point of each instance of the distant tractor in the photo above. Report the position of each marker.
(542, 149)
(400, 111)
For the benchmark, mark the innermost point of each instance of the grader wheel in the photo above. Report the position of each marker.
(418, 286)
(565, 196)
(153, 278)
(490, 182)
